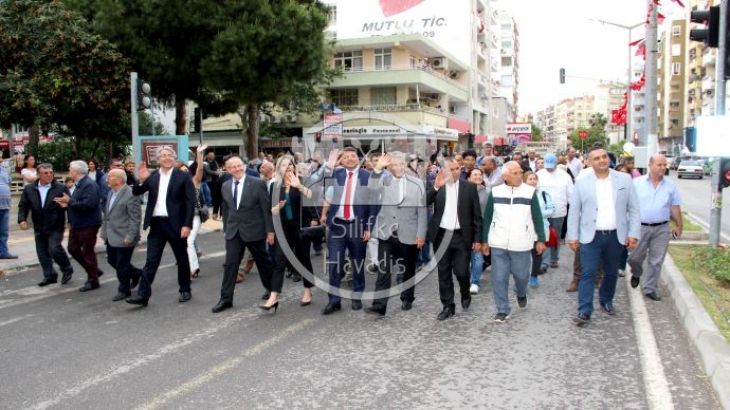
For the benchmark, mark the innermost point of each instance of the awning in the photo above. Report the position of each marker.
(460, 125)
(479, 139)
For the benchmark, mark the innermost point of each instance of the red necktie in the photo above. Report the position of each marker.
(348, 211)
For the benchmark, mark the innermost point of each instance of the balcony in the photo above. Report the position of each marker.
(432, 79)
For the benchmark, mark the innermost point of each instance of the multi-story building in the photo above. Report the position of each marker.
(671, 83)
(508, 74)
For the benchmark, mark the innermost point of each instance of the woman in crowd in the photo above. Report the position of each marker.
(547, 208)
(477, 258)
(197, 178)
(29, 173)
(95, 172)
(289, 210)
(129, 170)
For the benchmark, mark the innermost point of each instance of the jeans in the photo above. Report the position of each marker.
(504, 263)
(346, 237)
(424, 255)
(205, 189)
(604, 247)
(4, 231)
(553, 254)
(624, 258)
(477, 266)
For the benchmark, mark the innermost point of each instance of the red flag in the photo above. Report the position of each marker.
(641, 51)
(659, 18)
(679, 2)
(633, 43)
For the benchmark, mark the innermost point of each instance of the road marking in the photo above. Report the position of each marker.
(163, 351)
(706, 225)
(11, 321)
(20, 240)
(223, 367)
(656, 386)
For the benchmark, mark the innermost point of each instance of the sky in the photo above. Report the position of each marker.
(560, 34)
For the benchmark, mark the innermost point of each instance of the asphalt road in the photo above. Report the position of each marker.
(697, 200)
(63, 349)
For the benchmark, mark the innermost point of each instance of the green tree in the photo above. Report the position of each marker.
(53, 71)
(596, 133)
(536, 132)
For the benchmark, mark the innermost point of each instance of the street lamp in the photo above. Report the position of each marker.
(628, 84)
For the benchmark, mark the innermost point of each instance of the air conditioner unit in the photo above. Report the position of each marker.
(453, 74)
(439, 63)
(275, 119)
(264, 119)
(452, 109)
(291, 117)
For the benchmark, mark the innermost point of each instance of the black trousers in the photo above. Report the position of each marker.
(120, 258)
(293, 237)
(394, 256)
(536, 263)
(162, 233)
(234, 253)
(49, 248)
(455, 260)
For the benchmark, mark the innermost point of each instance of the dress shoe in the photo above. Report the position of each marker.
(331, 308)
(47, 281)
(446, 313)
(573, 287)
(372, 310)
(554, 265)
(119, 296)
(196, 273)
(99, 273)
(634, 281)
(136, 276)
(89, 286)
(608, 308)
(356, 305)
(581, 319)
(8, 256)
(266, 296)
(465, 303)
(406, 305)
(296, 278)
(185, 296)
(137, 300)
(268, 308)
(221, 306)
(653, 296)
(66, 278)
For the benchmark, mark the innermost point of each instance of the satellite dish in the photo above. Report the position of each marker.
(629, 147)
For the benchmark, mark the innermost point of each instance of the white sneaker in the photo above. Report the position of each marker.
(474, 289)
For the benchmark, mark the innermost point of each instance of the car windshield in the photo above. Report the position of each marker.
(689, 163)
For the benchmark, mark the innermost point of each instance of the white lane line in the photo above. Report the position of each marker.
(147, 359)
(11, 321)
(218, 370)
(705, 225)
(658, 394)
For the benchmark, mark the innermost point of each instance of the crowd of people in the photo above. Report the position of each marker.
(386, 213)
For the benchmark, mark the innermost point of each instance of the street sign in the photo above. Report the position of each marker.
(583, 134)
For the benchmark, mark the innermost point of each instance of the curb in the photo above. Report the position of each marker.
(713, 349)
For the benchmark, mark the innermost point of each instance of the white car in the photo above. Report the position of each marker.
(690, 168)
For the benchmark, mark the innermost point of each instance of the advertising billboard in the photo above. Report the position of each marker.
(448, 24)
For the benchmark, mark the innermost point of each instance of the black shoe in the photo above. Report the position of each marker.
(99, 273)
(331, 308)
(266, 296)
(522, 301)
(581, 319)
(89, 286)
(406, 305)
(9, 256)
(119, 296)
(446, 313)
(268, 308)
(608, 308)
(196, 273)
(66, 278)
(136, 276)
(47, 281)
(465, 303)
(356, 305)
(296, 278)
(221, 306)
(137, 300)
(634, 282)
(653, 296)
(372, 310)
(185, 296)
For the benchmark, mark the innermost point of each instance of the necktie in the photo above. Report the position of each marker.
(347, 211)
(235, 194)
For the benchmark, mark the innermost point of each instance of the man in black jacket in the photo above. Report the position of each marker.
(49, 222)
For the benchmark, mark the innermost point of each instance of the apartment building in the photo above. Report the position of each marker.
(672, 82)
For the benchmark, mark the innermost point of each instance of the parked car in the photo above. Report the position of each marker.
(670, 162)
(690, 168)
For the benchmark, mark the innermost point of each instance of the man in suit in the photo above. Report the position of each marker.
(400, 226)
(169, 215)
(349, 219)
(530, 163)
(604, 216)
(49, 222)
(246, 209)
(456, 231)
(120, 231)
(84, 215)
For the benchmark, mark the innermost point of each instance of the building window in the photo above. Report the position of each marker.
(349, 61)
(676, 31)
(412, 61)
(676, 69)
(383, 58)
(345, 97)
(674, 104)
(333, 14)
(383, 96)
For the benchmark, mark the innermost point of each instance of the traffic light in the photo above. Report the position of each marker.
(711, 19)
(562, 76)
(197, 120)
(725, 172)
(144, 95)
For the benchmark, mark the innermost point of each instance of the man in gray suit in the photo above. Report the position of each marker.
(604, 217)
(120, 231)
(400, 226)
(246, 210)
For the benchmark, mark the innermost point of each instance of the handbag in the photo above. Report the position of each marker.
(314, 231)
(552, 238)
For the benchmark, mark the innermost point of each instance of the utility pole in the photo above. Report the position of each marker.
(716, 207)
(136, 148)
(648, 136)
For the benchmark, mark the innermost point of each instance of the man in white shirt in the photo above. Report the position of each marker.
(559, 185)
(574, 164)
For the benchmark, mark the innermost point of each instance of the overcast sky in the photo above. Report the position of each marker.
(560, 33)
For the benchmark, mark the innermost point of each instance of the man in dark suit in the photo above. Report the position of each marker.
(169, 215)
(120, 231)
(350, 220)
(49, 222)
(457, 219)
(84, 215)
(246, 210)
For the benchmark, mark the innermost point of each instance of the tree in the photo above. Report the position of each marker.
(53, 71)
(536, 132)
(596, 132)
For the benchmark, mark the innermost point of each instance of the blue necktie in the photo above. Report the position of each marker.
(235, 194)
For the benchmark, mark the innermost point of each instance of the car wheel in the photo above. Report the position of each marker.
(679, 177)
